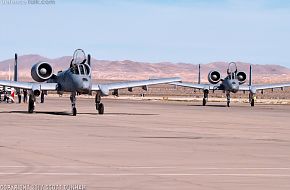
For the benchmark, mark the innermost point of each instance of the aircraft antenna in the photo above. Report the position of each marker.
(250, 78)
(9, 77)
(198, 81)
(89, 59)
(16, 68)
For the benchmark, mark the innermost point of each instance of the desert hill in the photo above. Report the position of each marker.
(131, 70)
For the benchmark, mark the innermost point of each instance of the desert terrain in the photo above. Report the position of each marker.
(133, 70)
(146, 145)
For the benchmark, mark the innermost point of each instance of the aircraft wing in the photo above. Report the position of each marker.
(28, 85)
(263, 86)
(105, 88)
(196, 86)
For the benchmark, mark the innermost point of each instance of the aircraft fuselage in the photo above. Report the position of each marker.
(70, 82)
(230, 85)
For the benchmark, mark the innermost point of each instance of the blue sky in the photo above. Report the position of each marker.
(198, 31)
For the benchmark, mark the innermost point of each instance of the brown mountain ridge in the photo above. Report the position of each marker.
(132, 70)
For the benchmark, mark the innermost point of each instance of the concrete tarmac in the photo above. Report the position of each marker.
(145, 145)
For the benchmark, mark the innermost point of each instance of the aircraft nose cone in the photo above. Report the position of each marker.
(235, 87)
(86, 85)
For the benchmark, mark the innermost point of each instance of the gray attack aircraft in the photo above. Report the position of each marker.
(75, 80)
(232, 83)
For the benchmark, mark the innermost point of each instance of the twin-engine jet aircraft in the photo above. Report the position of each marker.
(232, 83)
(76, 80)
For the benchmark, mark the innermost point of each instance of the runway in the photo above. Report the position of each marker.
(146, 145)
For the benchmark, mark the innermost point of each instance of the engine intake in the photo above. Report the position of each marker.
(214, 77)
(242, 77)
(41, 72)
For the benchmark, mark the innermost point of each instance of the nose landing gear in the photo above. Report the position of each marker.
(228, 98)
(73, 103)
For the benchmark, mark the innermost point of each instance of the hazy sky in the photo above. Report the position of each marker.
(200, 31)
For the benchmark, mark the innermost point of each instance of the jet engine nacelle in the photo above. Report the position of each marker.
(41, 72)
(242, 77)
(214, 77)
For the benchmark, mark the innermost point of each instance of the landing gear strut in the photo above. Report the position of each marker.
(42, 97)
(205, 97)
(99, 106)
(31, 102)
(73, 103)
(252, 99)
(228, 99)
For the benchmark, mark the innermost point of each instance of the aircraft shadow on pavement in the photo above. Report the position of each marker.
(68, 113)
(210, 105)
(144, 114)
(38, 112)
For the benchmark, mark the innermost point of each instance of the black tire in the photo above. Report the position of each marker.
(42, 98)
(74, 111)
(252, 102)
(204, 102)
(30, 106)
(19, 98)
(101, 108)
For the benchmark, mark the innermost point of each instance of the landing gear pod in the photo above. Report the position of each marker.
(36, 90)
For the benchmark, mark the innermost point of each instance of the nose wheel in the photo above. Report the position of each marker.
(99, 106)
(228, 99)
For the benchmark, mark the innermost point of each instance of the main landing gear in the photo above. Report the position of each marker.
(31, 103)
(99, 106)
(252, 99)
(205, 97)
(42, 97)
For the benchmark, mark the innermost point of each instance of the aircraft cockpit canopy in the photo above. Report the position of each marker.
(78, 63)
(81, 69)
(232, 70)
(79, 57)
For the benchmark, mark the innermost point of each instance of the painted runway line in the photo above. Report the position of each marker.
(148, 174)
(153, 167)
